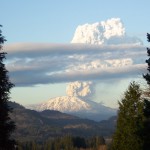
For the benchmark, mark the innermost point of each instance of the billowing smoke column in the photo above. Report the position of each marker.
(107, 32)
(80, 89)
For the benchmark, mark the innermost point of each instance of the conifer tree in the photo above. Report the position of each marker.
(147, 76)
(7, 126)
(130, 120)
(146, 131)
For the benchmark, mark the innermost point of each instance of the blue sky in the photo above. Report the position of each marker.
(55, 21)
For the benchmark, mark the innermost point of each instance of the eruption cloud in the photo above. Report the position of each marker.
(103, 52)
(80, 89)
(111, 31)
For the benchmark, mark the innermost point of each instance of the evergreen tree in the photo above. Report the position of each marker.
(146, 123)
(79, 142)
(95, 142)
(7, 126)
(147, 76)
(130, 120)
(146, 131)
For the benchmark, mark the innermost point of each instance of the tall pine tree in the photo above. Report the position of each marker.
(7, 126)
(130, 120)
(133, 124)
(147, 76)
(146, 131)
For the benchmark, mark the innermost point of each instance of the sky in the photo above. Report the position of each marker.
(51, 43)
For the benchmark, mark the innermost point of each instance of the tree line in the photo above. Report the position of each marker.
(66, 143)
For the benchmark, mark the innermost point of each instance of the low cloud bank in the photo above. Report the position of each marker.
(100, 51)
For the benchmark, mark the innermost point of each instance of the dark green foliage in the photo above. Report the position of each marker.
(147, 76)
(146, 131)
(7, 126)
(146, 123)
(130, 120)
(133, 124)
(95, 142)
(65, 143)
(79, 142)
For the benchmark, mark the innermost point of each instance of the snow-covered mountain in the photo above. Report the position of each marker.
(64, 104)
(76, 106)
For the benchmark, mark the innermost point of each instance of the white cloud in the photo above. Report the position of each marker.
(108, 64)
(99, 53)
(111, 31)
(103, 52)
(72, 62)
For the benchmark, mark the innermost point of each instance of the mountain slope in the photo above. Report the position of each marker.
(64, 104)
(76, 106)
(39, 126)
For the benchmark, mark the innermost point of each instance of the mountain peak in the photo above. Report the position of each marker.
(64, 104)
(76, 106)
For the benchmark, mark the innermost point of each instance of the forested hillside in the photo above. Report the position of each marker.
(40, 126)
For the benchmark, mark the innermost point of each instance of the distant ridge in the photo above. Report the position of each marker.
(40, 126)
